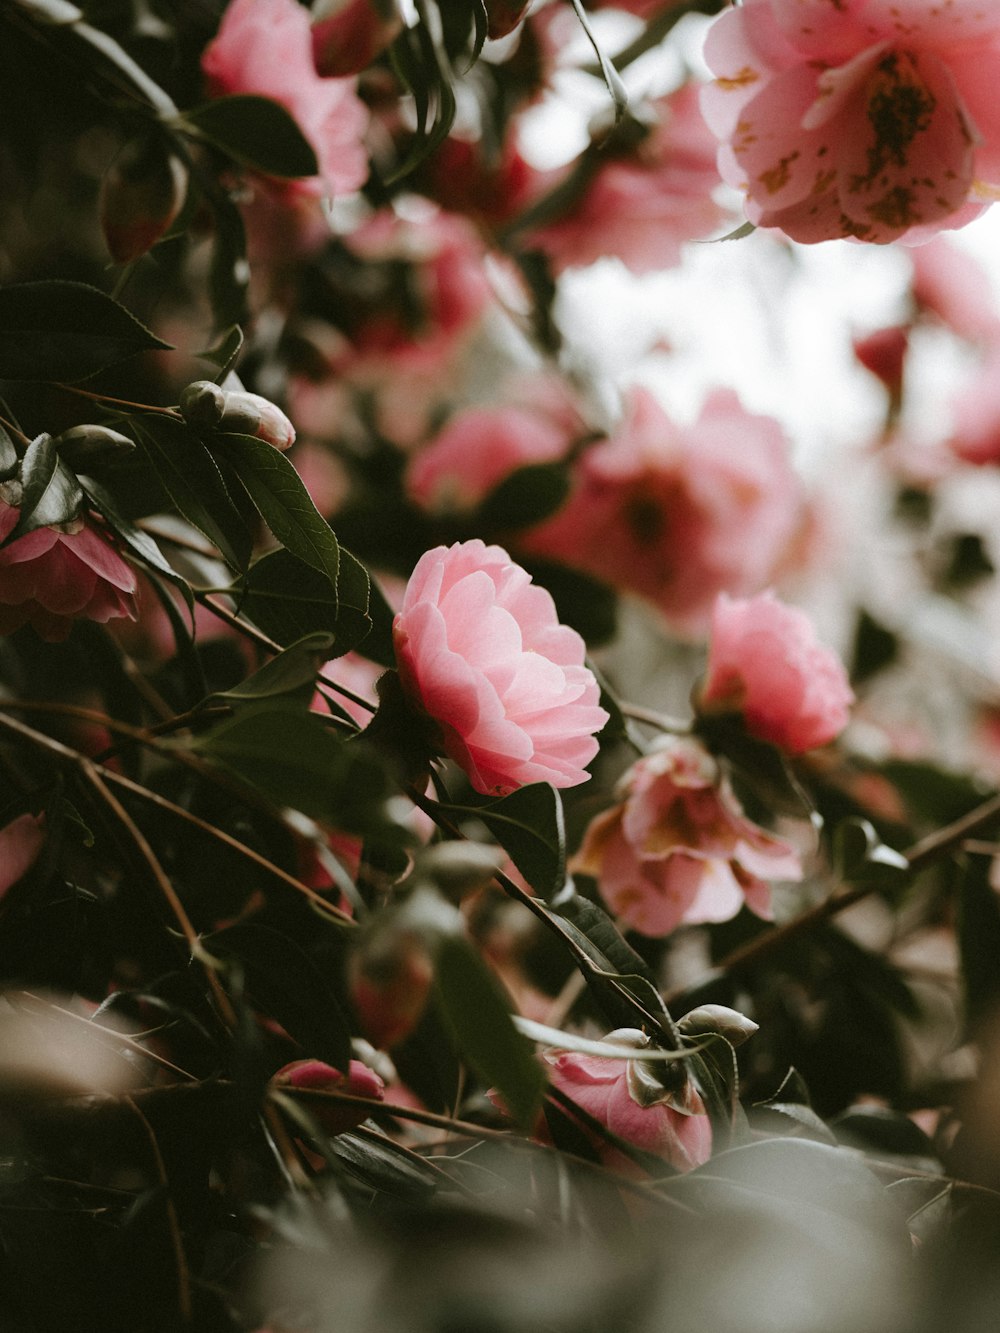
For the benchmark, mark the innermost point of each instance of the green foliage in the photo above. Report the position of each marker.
(256, 131)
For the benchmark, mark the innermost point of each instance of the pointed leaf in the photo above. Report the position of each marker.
(288, 599)
(257, 131)
(529, 825)
(51, 493)
(292, 672)
(57, 330)
(474, 1007)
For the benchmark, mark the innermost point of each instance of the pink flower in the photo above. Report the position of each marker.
(976, 413)
(883, 353)
(476, 450)
(953, 286)
(315, 1076)
(626, 1097)
(678, 848)
(20, 843)
(682, 513)
(861, 118)
(481, 651)
(765, 662)
(347, 35)
(51, 576)
(641, 206)
(264, 47)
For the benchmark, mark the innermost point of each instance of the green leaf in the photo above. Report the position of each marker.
(285, 984)
(861, 857)
(475, 1009)
(281, 497)
(528, 824)
(612, 78)
(57, 330)
(587, 605)
(189, 475)
(51, 493)
(224, 351)
(525, 497)
(257, 131)
(294, 760)
(979, 939)
(292, 672)
(288, 599)
(139, 542)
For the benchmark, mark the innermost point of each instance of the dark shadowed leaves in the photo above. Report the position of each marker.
(257, 132)
(528, 824)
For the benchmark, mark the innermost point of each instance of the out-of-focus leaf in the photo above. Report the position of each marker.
(979, 938)
(256, 131)
(589, 607)
(281, 497)
(229, 275)
(525, 497)
(294, 760)
(860, 856)
(292, 672)
(224, 351)
(473, 1006)
(875, 647)
(285, 984)
(189, 475)
(612, 78)
(934, 794)
(528, 824)
(881, 1130)
(56, 330)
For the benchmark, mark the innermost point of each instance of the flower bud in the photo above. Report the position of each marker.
(315, 1076)
(728, 1023)
(142, 192)
(235, 412)
(347, 35)
(202, 404)
(88, 448)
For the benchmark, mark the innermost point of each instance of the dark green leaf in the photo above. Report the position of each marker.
(525, 497)
(188, 474)
(476, 1010)
(57, 330)
(979, 938)
(589, 607)
(528, 824)
(140, 543)
(292, 672)
(288, 599)
(51, 493)
(285, 505)
(294, 760)
(256, 131)
(595, 924)
(875, 647)
(612, 78)
(860, 856)
(379, 1164)
(285, 984)
(225, 351)
(879, 1130)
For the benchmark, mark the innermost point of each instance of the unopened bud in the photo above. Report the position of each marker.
(142, 192)
(202, 404)
(90, 448)
(728, 1023)
(235, 412)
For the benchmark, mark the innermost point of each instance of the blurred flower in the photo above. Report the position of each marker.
(52, 576)
(765, 662)
(641, 205)
(389, 979)
(20, 843)
(264, 47)
(883, 353)
(953, 286)
(683, 513)
(863, 118)
(315, 1076)
(476, 450)
(347, 35)
(678, 848)
(976, 414)
(625, 1096)
(481, 651)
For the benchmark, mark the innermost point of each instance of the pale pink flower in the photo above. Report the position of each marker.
(626, 1097)
(976, 414)
(20, 843)
(765, 661)
(642, 205)
(951, 284)
(681, 513)
(677, 849)
(861, 118)
(476, 450)
(264, 47)
(53, 576)
(481, 651)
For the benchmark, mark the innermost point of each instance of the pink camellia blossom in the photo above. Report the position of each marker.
(53, 576)
(976, 414)
(315, 1076)
(642, 205)
(626, 1097)
(264, 47)
(952, 286)
(871, 119)
(678, 849)
(20, 843)
(765, 661)
(476, 450)
(481, 651)
(347, 35)
(682, 513)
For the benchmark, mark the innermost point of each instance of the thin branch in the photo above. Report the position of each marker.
(173, 1224)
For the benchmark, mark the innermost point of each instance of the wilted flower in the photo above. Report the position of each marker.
(765, 662)
(264, 47)
(626, 1097)
(861, 118)
(678, 848)
(481, 651)
(53, 576)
